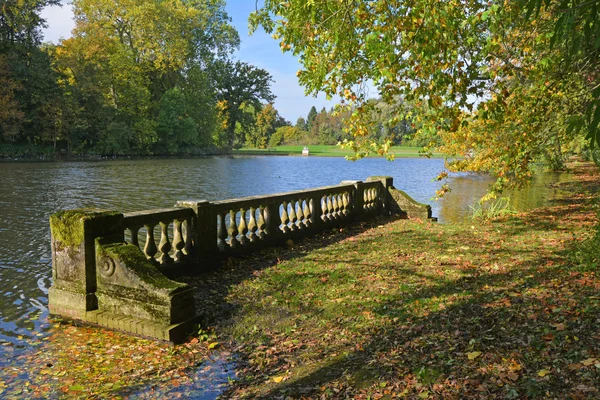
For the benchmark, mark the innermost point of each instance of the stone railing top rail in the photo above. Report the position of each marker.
(155, 216)
(334, 189)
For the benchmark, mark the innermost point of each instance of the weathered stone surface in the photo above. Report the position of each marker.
(204, 233)
(398, 202)
(73, 258)
(128, 284)
(402, 204)
(101, 280)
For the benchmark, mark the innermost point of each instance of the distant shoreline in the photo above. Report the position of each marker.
(296, 151)
(330, 151)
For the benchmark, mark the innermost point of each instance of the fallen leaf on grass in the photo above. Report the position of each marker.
(277, 379)
(473, 355)
(513, 376)
(515, 366)
(559, 327)
(543, 372)
(589, 362)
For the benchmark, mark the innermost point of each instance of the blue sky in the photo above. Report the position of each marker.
(259, 50)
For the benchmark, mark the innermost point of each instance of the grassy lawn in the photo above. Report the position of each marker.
(325, 151)
(384, 309)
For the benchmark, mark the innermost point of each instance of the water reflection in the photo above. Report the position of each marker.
(468, 188)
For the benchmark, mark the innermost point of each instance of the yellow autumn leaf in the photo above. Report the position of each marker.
(589, 362)
(277, 379)
(515, 366)
(213, 345)
(473, 355)
(543, 372)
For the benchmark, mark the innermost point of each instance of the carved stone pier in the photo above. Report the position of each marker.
(113, 269)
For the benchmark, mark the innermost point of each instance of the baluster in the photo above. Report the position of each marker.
(150, 247)
(233, 231)
(252, 225)
(346, 203)
(307, 213)
(373, 198)
(134, 231)
(323, 205)
(369, 199)
(329, 205)
(285, 219)
(293, 217)
(189, 245)
(336, 207)
(221, 232)
(243, 228)
(366, 199)
(178, 243)
(261, 222)
(165, 245)
(301, 224)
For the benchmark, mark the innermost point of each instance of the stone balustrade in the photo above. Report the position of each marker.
(166, 234)
(115, 269)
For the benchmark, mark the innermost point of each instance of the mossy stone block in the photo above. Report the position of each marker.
(402, 203)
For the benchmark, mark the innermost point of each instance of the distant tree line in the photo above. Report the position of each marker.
(329, 127)
(136, 77)
(147, 77)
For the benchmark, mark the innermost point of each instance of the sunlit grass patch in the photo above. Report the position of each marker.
(327, 151)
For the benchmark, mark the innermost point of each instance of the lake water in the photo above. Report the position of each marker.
(31, 192)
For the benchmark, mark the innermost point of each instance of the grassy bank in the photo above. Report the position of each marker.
(324, 151)
(385, 309)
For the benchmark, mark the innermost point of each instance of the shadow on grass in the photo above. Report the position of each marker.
(212, 288)
(429, 353)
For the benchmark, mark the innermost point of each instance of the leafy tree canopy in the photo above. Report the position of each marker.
(503, 83)
(237, 84)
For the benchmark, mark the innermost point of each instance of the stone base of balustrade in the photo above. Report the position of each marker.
(402, 204)
(70, 304)
(176, 333)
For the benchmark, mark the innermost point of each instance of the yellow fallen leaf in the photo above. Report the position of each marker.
(589, 362)
(213, 345)
(559, 327)
(515, 366)
(473, 355)
(277, 379)
(543, 372)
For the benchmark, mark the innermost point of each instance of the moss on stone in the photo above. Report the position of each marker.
(68, 226)
(408, 198)
(134, 259)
